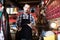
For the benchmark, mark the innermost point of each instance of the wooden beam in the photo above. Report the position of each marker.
(29, 2)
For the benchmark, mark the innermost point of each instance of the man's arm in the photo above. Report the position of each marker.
(32, 20)
(18, 22)
(33, 25)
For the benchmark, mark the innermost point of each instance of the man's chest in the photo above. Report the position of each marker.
(25, 16)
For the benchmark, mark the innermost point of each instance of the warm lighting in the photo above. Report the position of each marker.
(46, 1)
(42, 2)
(15, 10)
(11, 10)
(53, 25)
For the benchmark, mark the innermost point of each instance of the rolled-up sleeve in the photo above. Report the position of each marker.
(32, 20)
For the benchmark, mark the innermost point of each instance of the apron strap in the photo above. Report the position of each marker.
(29, 16)
(22, 17)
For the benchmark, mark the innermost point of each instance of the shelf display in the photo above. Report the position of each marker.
(12, 23)
(12, 13)
(12, 10)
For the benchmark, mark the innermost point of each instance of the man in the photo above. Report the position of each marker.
(25, 21)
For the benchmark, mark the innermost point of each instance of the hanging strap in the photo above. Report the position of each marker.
(29, 16)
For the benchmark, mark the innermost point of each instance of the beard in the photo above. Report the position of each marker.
(27, 11)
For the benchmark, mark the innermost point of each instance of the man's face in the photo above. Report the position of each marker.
(27, 8)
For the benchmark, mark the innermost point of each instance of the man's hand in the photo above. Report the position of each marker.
(19, 28)
(30, 25)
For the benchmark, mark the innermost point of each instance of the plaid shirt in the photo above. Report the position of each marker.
(25, 16)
